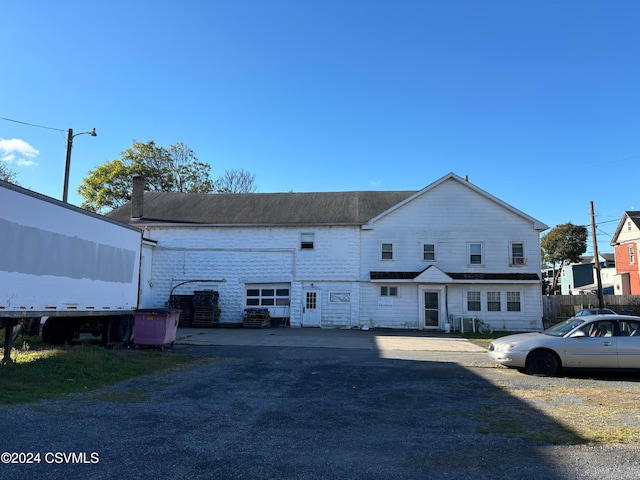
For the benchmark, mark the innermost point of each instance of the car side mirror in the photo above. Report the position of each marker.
(578, 334)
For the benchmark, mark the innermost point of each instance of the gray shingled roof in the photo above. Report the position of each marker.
(322, 208)
(634, 216)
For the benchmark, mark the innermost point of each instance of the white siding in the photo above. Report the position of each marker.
(450, 216)
(253, 255)
(626, 234)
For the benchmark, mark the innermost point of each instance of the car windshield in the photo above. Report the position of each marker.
(562, 328)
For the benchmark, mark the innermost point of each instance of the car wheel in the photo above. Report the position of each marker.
(542, 363)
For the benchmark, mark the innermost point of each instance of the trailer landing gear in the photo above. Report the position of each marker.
(12, 330)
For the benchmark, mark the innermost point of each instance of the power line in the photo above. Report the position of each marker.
(31, 124)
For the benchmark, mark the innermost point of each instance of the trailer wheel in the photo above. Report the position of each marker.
(119, 330)
(54, 332)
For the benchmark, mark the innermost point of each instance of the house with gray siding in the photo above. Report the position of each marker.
(363, 259)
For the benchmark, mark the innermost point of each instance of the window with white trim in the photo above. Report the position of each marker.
(475, 253)
(387, 251)
(493, 302)
(513, 302)
(473, 302)
(517, 253)
(386, 291)
(428, 252)
(339, 297)
(631, 254)
(307, 241)
(267, 295)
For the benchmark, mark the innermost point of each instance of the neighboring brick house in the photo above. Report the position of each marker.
(625, 243)
(390, 259)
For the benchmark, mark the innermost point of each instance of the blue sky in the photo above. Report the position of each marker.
(536, 101)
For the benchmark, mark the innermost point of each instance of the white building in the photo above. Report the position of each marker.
(397, 259)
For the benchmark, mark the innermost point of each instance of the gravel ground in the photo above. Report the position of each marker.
(305, 413)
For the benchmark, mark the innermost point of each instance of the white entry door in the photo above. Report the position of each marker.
(144, 286)
(311, 308)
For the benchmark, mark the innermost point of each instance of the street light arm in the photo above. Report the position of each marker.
(92, 133)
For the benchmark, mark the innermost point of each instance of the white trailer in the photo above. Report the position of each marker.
(78, 269)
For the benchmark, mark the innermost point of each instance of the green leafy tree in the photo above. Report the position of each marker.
(563, 244)
(166, 169)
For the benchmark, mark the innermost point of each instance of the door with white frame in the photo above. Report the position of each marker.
(311, 308)
(431, 306)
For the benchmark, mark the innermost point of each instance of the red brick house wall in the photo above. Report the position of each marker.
(624, 265)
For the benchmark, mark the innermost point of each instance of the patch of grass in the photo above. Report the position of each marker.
(517, 419)
(582, 413)
(483, 340)
(44, 372)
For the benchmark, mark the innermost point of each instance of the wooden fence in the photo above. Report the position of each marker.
(560, 307)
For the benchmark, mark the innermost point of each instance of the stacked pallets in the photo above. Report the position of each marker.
(256, 318)
(184, 303)
(206, 312)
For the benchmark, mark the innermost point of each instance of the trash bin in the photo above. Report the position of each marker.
(157, 326)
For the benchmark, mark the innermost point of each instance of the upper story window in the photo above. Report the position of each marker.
(428, 252)
(631, 254)
(517, 253)
(629, 226)
(306, 241)
(387, 251)
(475, 253)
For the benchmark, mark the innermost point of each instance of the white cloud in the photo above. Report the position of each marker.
(375, 183)
(18, 152)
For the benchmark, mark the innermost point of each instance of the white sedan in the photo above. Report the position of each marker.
(594, 341)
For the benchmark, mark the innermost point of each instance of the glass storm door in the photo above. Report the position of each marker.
(431, 309)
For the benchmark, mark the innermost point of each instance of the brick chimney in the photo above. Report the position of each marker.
(137, 197)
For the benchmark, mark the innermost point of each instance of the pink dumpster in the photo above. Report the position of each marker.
(156, 326)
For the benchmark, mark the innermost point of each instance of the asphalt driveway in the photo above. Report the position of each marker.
(300, 412)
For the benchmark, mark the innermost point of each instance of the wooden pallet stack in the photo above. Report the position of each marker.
(206, 312)
(256, 318)
(184, 303)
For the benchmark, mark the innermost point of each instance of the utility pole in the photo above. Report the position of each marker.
(596, 259)
(67, 165)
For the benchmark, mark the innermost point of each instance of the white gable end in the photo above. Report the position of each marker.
(433, 275)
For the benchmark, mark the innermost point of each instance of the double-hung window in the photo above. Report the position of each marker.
(517, 253)
(631, 254)
(428, 252)
(306, 241)
(513, 301)
(473, 301)
(493, 302)
(475, 253)
(387, 251)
